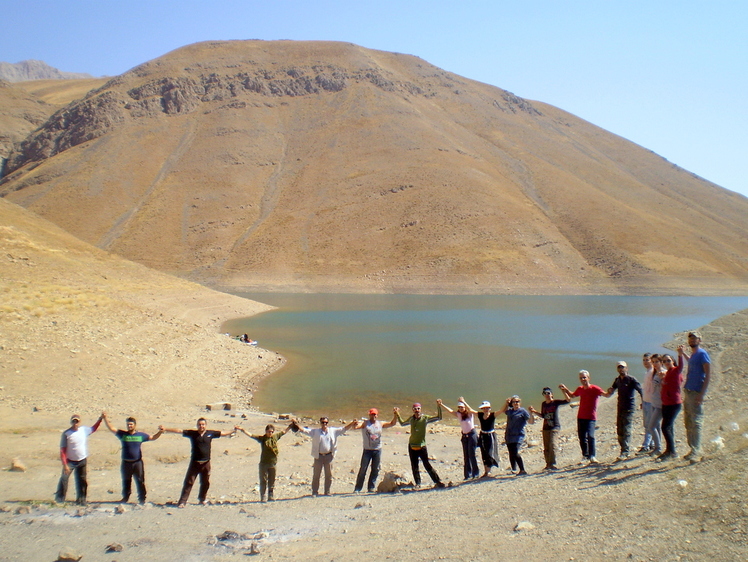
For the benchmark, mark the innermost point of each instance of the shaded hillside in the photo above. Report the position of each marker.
(327, 166)
(35, 70)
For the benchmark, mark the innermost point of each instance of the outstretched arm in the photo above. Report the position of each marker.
(231, 433)
(163, 429)
(155, 435)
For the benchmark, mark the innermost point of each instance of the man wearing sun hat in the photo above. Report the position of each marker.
(371, 431)
(74, 454)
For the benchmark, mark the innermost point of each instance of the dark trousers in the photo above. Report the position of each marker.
(422, 455)
(624, 421)
(550, 445)
(196, 468)
(267, 480)
(469, 444)
(373, 456)
(515, 459)
(669, 413)
(586, 433)
(130, 470)
(81, 482)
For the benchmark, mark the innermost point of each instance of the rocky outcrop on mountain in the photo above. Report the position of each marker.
(20, 114)
(327, 166)
(35, 70)
(103, 109)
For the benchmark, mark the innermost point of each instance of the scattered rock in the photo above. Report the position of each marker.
(391, 482)
(218, 406)
(359, 505)
(682, 483)
(254, 548)
(23, 510)
(228, 536)
(120, 509)
(68, 555)
(17, 466)
(523, 526)
(114, 547)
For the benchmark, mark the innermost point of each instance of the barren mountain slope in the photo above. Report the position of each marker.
(81, 328)
(20, 113)
(318, 165)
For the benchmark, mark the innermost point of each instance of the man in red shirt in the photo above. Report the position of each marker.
(588, 394)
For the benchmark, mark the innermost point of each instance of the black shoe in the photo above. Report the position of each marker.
(440, 485)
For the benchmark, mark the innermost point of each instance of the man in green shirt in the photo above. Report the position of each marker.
(417, 441)
(268, 458)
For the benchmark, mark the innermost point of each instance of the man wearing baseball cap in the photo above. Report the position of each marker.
(626, 385)
(74, 454)
(371, 431)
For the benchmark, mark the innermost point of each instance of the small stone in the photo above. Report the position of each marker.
(682, 483)
(68, 555)
(114, 547)
(120, 509)
(524, 526)
(359, 505)
(17, 466)
(254, 548)
(23, 510)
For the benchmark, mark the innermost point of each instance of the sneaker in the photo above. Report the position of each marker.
(643, 451)
(522, 473)
(689, 456)
(666, 456)
(655, 452)
(553, 467)
(440, 485)
(593, 460)
(181, 505)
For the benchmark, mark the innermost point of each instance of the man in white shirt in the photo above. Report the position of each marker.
(73, 455)
(324, 445)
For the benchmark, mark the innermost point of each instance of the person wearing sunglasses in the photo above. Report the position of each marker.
(516, 421)
(324, 446)
(672, 401)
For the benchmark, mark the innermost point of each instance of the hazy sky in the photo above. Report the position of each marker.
(670, 75)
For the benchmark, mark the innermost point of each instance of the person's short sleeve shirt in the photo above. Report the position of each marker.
(588, 398)
(696, 373)
(131, 443)
(201, 443)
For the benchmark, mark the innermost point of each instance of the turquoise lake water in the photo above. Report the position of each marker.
(347, 353)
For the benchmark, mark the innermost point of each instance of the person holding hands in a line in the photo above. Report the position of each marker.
(201, 440)
(132, 457)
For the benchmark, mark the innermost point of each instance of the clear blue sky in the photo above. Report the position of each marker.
(670, 75)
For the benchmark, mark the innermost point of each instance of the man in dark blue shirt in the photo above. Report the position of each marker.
(132, 457)
(626, 385)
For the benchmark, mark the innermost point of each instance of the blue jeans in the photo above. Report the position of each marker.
(669, 413)
(655, 418)
(586, 433)
(373, 456)
(646, 415)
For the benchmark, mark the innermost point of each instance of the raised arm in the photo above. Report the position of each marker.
(467, 406)
(155, 435)
(350, 425)
(108, 423)
(231, 433)
(95, 426)
(504, 406)
(392, 422)
(566, 391)
(450, 410)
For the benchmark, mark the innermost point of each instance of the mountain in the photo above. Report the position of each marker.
(35, 70)
(328, 166)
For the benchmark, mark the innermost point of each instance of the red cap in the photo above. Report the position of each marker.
(374, 412)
